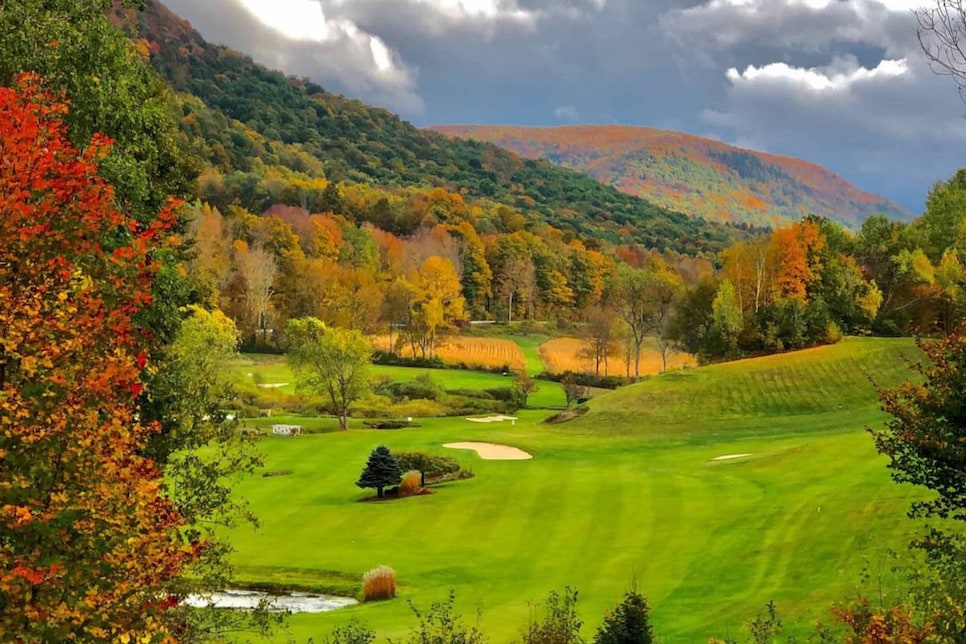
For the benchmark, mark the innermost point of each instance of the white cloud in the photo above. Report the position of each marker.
(840, 76)
(567, 113)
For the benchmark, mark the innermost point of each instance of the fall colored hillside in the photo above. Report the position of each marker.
(692, 174)
(236, 110)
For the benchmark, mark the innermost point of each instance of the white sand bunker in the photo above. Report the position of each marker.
(272, 385)
(493, 419)
(492, 451)
(728, 457)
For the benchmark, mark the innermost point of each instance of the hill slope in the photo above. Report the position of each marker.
(360, 143)
(692, 174)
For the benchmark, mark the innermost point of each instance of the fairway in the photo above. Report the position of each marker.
(635, 490)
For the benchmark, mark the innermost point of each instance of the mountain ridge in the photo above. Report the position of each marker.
(359, 143)
(689, 173)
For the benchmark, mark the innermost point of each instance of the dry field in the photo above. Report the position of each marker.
(490, 353)
(565, 354)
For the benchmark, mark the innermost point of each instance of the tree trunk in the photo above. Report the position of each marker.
(379, 492)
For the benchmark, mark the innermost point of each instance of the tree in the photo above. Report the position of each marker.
(203, 454)
(726, 317)
(627, 623)
(643, 300)
(523, 386)
(112, 91)
(925, 440)
(942, 32)
(90, 544)
(329, 360)
(381, 471)
(574, 392)
(257, 268)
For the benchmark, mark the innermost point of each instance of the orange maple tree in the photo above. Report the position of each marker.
(88, 542)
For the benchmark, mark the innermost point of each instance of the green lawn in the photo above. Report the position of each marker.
(629, 492)
(253, 370)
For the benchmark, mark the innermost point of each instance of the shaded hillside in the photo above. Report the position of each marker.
(359, 143)
(692, 174)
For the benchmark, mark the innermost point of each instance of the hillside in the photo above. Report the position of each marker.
(359, 143)
(692, 174)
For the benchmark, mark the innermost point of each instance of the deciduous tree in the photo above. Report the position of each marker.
(90, 544)
(330, 360)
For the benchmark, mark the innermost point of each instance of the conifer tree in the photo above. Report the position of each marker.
(381, 471)
(627, 623)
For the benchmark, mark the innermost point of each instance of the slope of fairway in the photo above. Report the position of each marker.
(632, 491)
(793, 392)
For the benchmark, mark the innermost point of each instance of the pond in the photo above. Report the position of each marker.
(294, 602)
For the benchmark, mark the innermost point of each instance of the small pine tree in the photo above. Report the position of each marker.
(627, 623)
(382, 470)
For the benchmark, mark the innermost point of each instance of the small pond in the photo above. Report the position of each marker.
(294, 602)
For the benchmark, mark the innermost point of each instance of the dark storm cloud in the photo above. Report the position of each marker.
(839, 83)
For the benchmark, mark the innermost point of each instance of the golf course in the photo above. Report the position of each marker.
(713, 489)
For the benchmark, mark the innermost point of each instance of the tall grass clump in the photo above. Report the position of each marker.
(379, 583)
(411, 483)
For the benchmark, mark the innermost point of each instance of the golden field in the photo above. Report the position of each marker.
(489, 353)
(566, 354)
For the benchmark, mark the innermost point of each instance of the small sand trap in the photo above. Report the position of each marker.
(493, 419)
(493, 452)
(272, 385)
(728, 457)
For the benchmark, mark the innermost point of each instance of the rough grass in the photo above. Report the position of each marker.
(565, 354)
(630, 492)
(379, 584)
(487, 353)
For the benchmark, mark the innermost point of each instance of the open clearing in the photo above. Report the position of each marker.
(492, 451)
(567, 354)
(621, 494)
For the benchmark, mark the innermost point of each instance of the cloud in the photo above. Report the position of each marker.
(840, 83)
(567, 113)
(300, 38)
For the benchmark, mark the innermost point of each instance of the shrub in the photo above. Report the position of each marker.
(411, 483)
(352, 633)
(560, 624)
(379, 583)
(440, 625)
(427, 464)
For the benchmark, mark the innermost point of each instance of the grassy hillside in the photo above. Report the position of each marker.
(631, 491)
(692, 174)
(360, 143)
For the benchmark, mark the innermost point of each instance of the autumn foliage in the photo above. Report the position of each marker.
(88, 540)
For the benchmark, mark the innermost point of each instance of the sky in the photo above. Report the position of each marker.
(842, 83)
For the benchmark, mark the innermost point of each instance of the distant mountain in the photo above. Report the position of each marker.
(363, 144)
(692, 174)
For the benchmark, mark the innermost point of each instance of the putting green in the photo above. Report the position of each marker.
(633, 491)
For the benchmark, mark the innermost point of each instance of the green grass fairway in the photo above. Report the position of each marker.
(629, 492)
(256, 369)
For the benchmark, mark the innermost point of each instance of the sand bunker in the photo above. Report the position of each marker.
(492, 452)
(272, 385)
(493, 419)
(728, 457)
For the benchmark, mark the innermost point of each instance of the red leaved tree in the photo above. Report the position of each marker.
(88, 542)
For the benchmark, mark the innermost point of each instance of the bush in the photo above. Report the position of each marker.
(560, 624)
(411, 483)
(352, 633)
(379, 583)
(440, 625)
